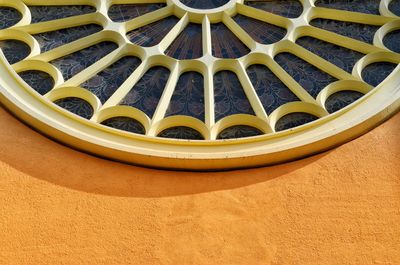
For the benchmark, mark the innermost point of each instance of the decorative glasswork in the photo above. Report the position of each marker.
(181, 132)
(125, 124)
(341, 99)
(392, 40)
(237, 65)
(375, 73)
(14, 50)
(188, 45)
(48, 13)
(225, 44)
(77, 106)
(188, 97)
(153, 33)
(105, 83)
(286, 8)
(239, 131)
(122, 13)
(272, 92)
(293, 120)
(361, 32)
(260, 31)
(361, 6)
(74, 63)
(146, 94)
(229, 96)
(312, 79)
(53, 39)
(394, 6)
(40, 81)
(204, 4)
(9, 17)
(338, 55)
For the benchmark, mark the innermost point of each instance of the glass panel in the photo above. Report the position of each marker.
(105, 83)
(239, 131)
(362, 6)
(312, 79)
(229, 96)
(40, 81)
(125, 124)
(225, 44)
(47, 13)
(375, 73)
(14, 50)
(392, 40)
(341, 99)
(394, 6)
(152, 34)
(181, 132)
(204, 4)
(361, 32)
(294, 120)
(146, 94)
(9, 17)
(122, 13)
(271, 91)
(188, 45)
(338, 55)
(188, 97)
(54, 39)
(77, 106)
(286, 8)
(74, 63)
(260, 31)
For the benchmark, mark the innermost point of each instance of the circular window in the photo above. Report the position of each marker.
(201, 85)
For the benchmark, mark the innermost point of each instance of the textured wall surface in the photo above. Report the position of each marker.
(60, 206)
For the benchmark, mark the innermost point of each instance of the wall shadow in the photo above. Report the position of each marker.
(35, 155)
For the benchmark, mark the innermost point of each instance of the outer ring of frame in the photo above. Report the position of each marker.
(318, 136)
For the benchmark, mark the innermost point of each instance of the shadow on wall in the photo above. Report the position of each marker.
(39, 157)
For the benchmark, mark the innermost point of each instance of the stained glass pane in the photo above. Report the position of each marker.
(375, 73)
(40, 81)
(105, 83)
(14, 50)
(47, 13)
(294, 120)
(341, 99)
(153, 33)
(77, 106)
(188, 45)
(272, 92)
(229, 96)
(9, 17)
(338, 55)
(260, 31)
(181, 132)
(146, 94)
(188, 97)
(286, 8)
(312, 79)
(225, 44)
(239, 131)
(125, 124)
(362, 6)
(122, 13)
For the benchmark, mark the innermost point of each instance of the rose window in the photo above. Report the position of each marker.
(201, 84)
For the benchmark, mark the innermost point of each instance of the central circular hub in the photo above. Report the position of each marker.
(204, 4)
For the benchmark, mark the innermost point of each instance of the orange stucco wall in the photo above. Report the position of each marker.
(60, 206)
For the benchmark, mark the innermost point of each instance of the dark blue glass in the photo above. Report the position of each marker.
(77, 106)
(146, 94)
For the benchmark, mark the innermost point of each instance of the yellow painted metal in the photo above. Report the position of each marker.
(148, 150)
